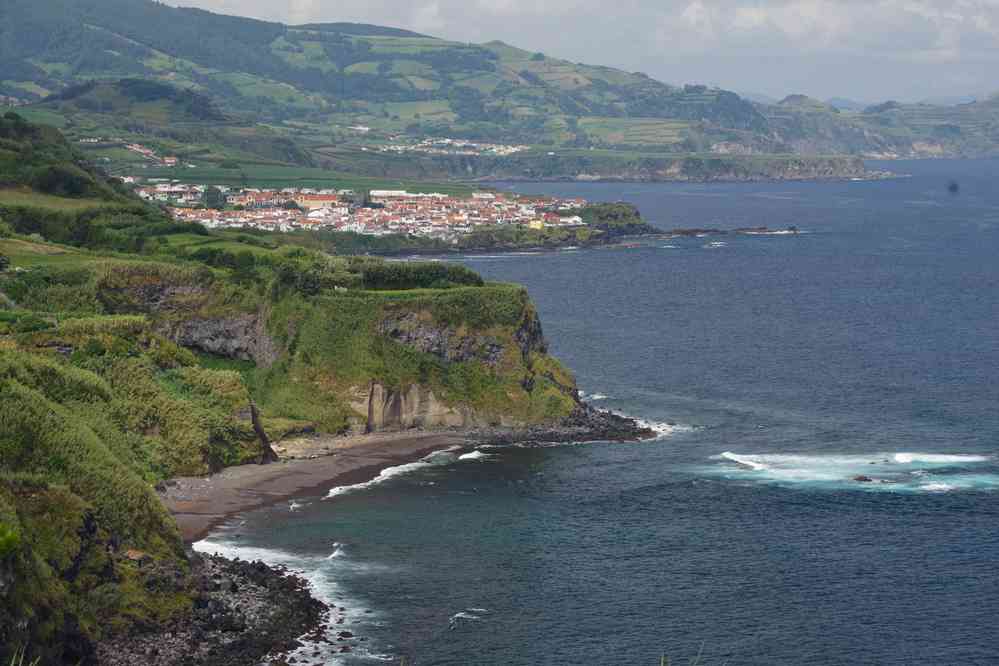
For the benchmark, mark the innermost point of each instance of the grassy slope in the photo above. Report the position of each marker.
(311, 83)
(97, 403)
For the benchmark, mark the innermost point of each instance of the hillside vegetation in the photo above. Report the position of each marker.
(133, 349)
(264, 91)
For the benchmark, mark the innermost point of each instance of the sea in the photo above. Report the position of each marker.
(824, 488)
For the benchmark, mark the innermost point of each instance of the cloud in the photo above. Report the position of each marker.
(864, 48)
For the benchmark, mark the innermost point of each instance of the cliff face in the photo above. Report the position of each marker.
(468, 356)
(242, 336)
(417, 405)
(729, 162)
(414, 406)
(445, 342)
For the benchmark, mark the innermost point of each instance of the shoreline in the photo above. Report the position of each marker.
(201, 504)
(298, 625)
(310, 465)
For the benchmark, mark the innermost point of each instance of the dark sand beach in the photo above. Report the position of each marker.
(307, 466)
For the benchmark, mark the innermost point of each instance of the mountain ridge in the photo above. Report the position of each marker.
(312, 83)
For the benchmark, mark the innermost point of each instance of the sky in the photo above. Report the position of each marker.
(866, 50)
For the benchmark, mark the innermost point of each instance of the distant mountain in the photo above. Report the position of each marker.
(844, 104)
(332, 84)
(952, 100)
(758, 98)
(805, 103)
(401, 80)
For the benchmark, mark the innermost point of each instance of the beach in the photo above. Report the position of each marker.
(306, 466)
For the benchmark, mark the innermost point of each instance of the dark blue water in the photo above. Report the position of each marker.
(867, 345)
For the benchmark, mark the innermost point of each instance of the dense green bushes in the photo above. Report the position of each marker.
(406, 275)
(65, 180)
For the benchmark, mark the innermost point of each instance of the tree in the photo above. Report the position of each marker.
(4, 262)
(214, 198)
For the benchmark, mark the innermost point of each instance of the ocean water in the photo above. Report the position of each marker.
(866, 346)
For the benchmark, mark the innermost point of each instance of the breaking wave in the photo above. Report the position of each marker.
(435, 459)
(937, 458)
(468, 615)
(474, 456)
(743, 460)
(663, 428)
(322, 574)
(901, 472)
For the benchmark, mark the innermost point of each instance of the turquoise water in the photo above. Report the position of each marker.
(865, 347)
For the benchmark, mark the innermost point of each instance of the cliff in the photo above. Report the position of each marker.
(115, 374)
(133, 350)
(726, 162)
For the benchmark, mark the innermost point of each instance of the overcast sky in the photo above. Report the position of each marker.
(869, 50)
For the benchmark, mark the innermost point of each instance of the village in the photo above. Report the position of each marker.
(445, 146)
(378, 212)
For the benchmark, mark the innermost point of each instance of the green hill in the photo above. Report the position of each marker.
(140, 100)
(325, 92)
(335, 68)
(134, 349)
(344, 74)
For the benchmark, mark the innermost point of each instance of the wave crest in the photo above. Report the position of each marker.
(916, 472)
(433, 460)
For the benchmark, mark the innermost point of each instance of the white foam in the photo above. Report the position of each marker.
(598, 396)
(745, 461)
(911, 472)
(937, 458)
(662, 429)
(320, 573)
(248, 553)
(474, 456)
(433, 460)
(467, 615)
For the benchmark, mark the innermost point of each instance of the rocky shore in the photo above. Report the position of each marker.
(252, 613)
(314, 464)
(585, 424)
(244, 613)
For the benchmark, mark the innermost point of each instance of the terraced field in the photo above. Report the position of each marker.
(634, 131)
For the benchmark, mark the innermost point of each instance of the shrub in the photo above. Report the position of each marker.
(123, 325)
(65, 180)
(422, 275)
